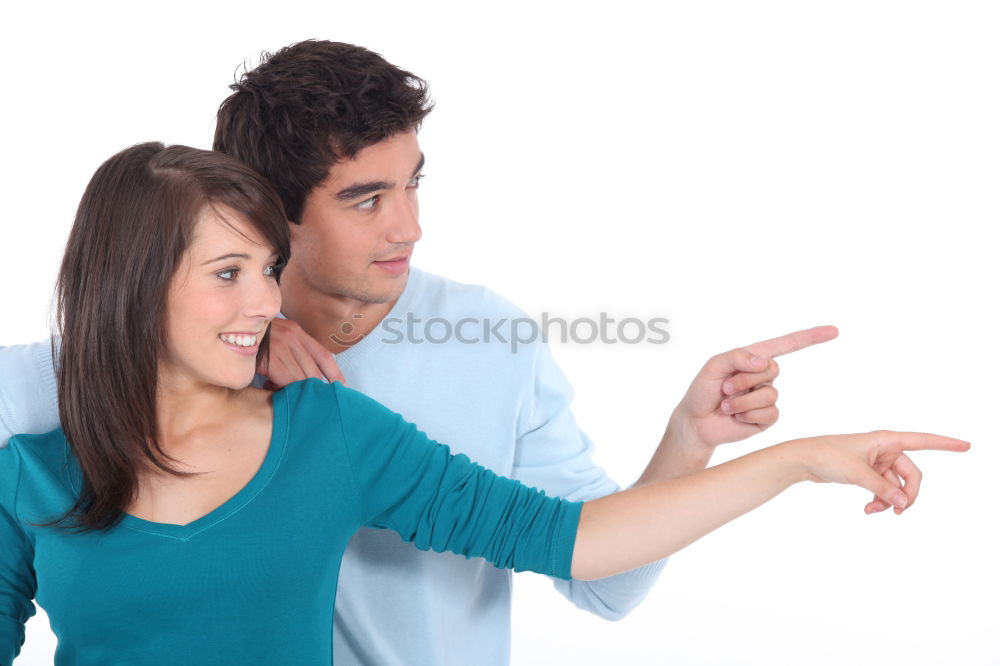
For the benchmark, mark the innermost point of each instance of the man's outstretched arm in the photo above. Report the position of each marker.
(731, 399)
(555, 455)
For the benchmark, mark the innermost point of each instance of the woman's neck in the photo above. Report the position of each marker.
(186, 408)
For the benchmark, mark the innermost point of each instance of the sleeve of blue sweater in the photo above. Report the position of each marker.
(416, 487)
(17, 576)
(555, 454)
(28, 399)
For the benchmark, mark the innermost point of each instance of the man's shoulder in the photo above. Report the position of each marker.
(449, 296)
(472, 318)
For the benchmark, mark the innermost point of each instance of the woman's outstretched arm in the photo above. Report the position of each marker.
(630, 528)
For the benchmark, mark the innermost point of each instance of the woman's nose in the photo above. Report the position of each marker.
(264, 300)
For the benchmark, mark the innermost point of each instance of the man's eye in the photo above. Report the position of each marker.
(415, 181)
(228, 274)
(368, 204)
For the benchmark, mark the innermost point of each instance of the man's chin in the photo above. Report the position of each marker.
(378, 294)
(376, 297)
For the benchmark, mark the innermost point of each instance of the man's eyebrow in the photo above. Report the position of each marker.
(361, 189)
(358, 190)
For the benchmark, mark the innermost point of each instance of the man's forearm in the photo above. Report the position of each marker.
(678, 453)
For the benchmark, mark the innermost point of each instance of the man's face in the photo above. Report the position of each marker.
(359, 225)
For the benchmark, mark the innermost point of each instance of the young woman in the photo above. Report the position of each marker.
(181, 516)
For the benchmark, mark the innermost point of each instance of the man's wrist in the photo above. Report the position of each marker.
(681, 437)
(680, 452)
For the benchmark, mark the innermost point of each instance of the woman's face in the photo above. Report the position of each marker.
(219, 303)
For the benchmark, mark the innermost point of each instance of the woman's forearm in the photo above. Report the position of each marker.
(640, 525)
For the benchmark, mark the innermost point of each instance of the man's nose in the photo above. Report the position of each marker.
(405, 224)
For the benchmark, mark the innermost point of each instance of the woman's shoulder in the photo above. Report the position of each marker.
(327, 397)
(316, 402)
(311, 394)
(28, 459)
(49, 446)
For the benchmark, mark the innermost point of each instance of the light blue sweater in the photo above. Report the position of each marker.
(397, 606)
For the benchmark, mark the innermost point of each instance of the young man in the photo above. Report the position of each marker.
(333, 126)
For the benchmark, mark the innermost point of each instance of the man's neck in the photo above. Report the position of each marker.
(337, 322)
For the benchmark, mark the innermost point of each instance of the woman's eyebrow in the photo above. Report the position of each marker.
(234, 255)
(227, 256)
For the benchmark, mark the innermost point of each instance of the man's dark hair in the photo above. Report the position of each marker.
(310, 105)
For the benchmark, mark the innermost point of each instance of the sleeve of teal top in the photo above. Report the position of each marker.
(413, 485)
(17, 576)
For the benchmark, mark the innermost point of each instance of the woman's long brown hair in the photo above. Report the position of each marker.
(131, 230)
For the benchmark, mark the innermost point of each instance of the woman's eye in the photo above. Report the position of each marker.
(228, 274)
(273, 270)
(368, 204)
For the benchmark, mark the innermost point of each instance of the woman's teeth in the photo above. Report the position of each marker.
(241, 340)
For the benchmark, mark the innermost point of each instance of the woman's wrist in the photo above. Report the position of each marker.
(793, 460)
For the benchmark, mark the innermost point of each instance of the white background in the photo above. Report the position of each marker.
(744, 169)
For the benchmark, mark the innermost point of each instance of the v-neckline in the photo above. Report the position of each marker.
(275, 450)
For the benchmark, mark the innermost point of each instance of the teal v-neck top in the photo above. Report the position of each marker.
(254, 581)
